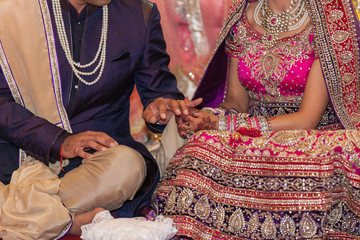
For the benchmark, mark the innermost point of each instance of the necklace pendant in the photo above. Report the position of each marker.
(273, 21)
(269, 39)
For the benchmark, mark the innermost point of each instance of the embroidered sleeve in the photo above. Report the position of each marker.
(232, 43)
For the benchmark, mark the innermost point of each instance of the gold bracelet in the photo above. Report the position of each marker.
(222, 122)
(264, 125)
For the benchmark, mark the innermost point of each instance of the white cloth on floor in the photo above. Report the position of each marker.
(106, 227)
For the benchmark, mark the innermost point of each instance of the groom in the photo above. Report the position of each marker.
(68, 70)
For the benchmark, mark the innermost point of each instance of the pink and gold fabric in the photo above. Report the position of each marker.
(283, 185)
(336, 31)
(298, 184)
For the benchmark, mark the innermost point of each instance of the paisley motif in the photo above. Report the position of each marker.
(335, 215)
(346, 56)
(218, 216)
(202, 208)
(185, 198)
(170, 204)
(340, 36)
(268, 228)
(254, 223)
(287, 138)
(237, 222)
(335, 15)
(348, 78)
(269, 63)
(308, 226)
(287, 226)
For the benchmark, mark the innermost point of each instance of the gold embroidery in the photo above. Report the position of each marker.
(65, 123)
(288, 138)
(170, 204)
(268, 228)
(336, 15)
(294, 175)
(219, 216)
(254, 223)
(185, 199)
(308, 226)
(346, 57)
(348, 78)
(202, 208)
(331, 41)
(340, 36)
(268, 65)
(287, 226)
(237, 222)
(335, 215)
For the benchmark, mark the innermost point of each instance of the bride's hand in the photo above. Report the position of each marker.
(183, 126)
(195, 121)
(201, 120)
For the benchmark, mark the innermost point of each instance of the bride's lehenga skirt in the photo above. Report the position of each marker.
(282, 185)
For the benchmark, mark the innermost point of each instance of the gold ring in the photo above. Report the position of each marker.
(76, 150)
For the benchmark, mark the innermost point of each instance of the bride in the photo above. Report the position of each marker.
(274, 152)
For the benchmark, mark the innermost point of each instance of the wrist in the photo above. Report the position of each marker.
(214, 111)
(55, 149)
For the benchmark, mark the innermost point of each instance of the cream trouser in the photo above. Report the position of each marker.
(32, 205)
(107, 179)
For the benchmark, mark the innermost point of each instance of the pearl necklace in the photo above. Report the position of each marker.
(100, 54)
(275, 24)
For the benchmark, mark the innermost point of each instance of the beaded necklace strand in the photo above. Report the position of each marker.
(275, 24)
(100, 56)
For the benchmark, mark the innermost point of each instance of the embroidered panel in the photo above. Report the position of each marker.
(288, 185)
(336, 39)
(65, 123)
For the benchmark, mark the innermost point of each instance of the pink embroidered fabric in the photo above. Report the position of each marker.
(276, 74)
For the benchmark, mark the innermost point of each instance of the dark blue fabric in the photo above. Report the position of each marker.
(8, 156)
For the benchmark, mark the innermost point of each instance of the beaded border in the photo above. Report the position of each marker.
(54, 65)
